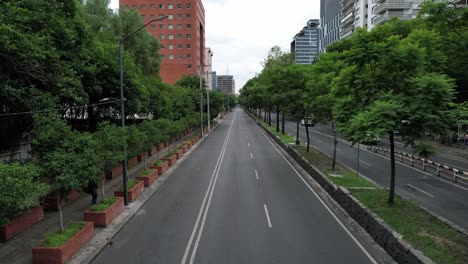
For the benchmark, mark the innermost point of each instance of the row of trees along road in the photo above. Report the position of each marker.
(401, 76)
(59, 61)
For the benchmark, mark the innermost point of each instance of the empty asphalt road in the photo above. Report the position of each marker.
(236, 199)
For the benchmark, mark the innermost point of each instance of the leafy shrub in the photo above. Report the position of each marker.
(102, 206)
(20, 190)
(60, 237)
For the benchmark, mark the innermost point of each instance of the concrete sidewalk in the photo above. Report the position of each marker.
(19, 248)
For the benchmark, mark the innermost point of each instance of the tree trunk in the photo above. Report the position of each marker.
(308, 138)
(282, 123)
(335, 143)
(277, 118)
(269, 114)
(59, 207)
(103, 180)
(297, 132)
(391, 194)
(144, 160)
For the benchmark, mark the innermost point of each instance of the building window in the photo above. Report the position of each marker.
(188, 6)
(179, 26)
(179, 16)
(170, 16)
(179, 36)
(143, 17)
(161, 36)
(179, 46)
(152, 6)
(171, 36)
(188, 16)
(161, 26)
(170, 26)
(189, 56)
(152, 27)
(161, 6)
(170, 6)
(171, 47)
(134, 6)
(179, 6)
(189, 66)
(143, 7)
(189, 36)
(171, 56)
(179, 56)
(152, 16)
(162, 46)
(189, 46)
(189, 26)
(125, 6)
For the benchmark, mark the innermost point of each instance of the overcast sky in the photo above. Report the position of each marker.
(240, 32)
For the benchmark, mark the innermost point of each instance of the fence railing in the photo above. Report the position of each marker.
(438, 169)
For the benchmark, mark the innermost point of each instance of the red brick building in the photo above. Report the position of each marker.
(181, 34)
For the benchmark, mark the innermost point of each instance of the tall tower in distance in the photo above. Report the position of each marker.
(181, 34)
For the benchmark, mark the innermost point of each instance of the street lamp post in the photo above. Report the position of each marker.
(201, 102)
(122, 106)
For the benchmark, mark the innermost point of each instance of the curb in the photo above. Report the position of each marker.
(390, 240)
(103, 236)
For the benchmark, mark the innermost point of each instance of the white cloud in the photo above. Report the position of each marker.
(240, 32)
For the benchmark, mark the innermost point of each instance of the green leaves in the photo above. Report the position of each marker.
(20, 189)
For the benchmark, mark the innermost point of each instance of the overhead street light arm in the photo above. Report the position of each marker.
(142, 27)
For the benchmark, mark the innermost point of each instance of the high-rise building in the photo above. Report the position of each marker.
(214, 80)
(305, 44)
(181, 34)
(226, 84)
(329, 23)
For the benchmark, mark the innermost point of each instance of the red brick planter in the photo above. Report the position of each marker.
(161, 146)
(21, 223)
(105, 217)
(52, 255)
(133, 193)
(50, 202)
(149, 179)
(116, 171)
(152, 151)
(161, 169)
(131, 162)
(171, 159)
(179, 153)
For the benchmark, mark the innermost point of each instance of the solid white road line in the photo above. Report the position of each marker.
(339, 150)
(251, 155)
(316, 148)
(417, 189)
(267, 216)
(206, 202)
(321, 201)
(366, 163)
(256, 174)
(248, 144)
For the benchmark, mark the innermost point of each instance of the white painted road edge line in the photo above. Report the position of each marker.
(417, 189)
(321, 201)
(209, 192)
(267, 216)
(248, 144)
(366, 163)
(256, 174)
(251, 155)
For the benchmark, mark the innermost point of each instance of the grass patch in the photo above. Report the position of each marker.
(170, 154)
(159, 163)
(437, 240)
(59, 238)
(323, 163)
(102, 206)
(286, 138)
(131, 184)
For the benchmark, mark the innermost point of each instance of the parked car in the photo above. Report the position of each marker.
(307, 121)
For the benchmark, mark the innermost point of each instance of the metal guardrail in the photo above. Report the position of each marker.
(438, 169)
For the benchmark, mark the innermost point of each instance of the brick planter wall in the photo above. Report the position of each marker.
(21, 223)
(161, 146)
(179, 153)
(50, 202)
(149, 179)
(105, 217)
(161, 169)
(171, 160)
(152, 151)
(116, 171)
(53, 255)
(131, 162)
(133, 193)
